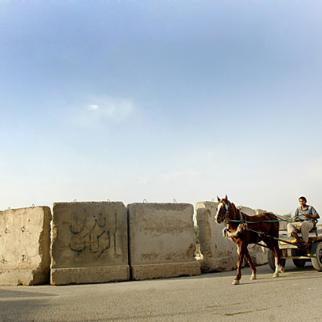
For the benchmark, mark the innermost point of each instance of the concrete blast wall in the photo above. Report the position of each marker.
(162, 240)
(219, 254)
(89, 243)
(24, 246)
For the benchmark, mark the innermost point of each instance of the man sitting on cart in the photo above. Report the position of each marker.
(304, 219)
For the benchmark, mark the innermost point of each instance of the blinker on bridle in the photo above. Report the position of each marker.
(226, 215)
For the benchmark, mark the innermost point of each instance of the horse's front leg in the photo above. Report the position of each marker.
(251, 264)
(241, 253)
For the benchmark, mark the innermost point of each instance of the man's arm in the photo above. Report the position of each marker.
(313, 214)
(296, 215)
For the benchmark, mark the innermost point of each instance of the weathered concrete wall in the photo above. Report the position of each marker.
(283, 224)
(259, 254)
(89, 243)
(162, 240)
(219, 254)
(24, 246)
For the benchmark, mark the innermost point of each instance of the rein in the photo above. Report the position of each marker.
(258, 222)
(243, 221)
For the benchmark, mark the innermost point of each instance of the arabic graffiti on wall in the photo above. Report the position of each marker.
(93, 234)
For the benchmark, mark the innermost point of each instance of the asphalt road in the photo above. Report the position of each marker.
(295, 296)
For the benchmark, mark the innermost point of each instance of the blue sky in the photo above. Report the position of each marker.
(161, 100)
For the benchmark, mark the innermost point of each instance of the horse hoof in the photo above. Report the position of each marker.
(253, 277)
(282, 270)
(235, 282)
(275, 275)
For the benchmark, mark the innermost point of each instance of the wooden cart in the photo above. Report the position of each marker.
(292, 249)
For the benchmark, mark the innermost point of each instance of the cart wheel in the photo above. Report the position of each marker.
(317, 261)
(271, 261)
(299, 263)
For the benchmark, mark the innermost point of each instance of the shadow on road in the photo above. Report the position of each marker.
(6, 294)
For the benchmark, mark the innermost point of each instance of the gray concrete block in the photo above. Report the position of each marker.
(162, 240)
(24, 246)
(89, 243)
(219, 254)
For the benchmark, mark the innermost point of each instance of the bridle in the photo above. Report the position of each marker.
(226, 215)
(226, 218)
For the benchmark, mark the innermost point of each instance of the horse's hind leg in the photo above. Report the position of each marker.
(277, 253)
(251, 264)
(241, 253)
(281, 263)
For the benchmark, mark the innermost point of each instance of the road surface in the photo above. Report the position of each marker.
(295, 296)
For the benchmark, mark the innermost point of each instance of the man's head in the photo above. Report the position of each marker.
(302, 201)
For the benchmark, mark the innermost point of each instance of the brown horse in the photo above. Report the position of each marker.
(245, 230)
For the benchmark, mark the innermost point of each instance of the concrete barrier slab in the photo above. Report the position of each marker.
(89, 243)
(162, 240)
(24, 246)
(219, 254)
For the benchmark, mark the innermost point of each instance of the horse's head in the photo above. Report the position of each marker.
(225, 210)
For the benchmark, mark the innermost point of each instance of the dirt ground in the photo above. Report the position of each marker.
(295, 296)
